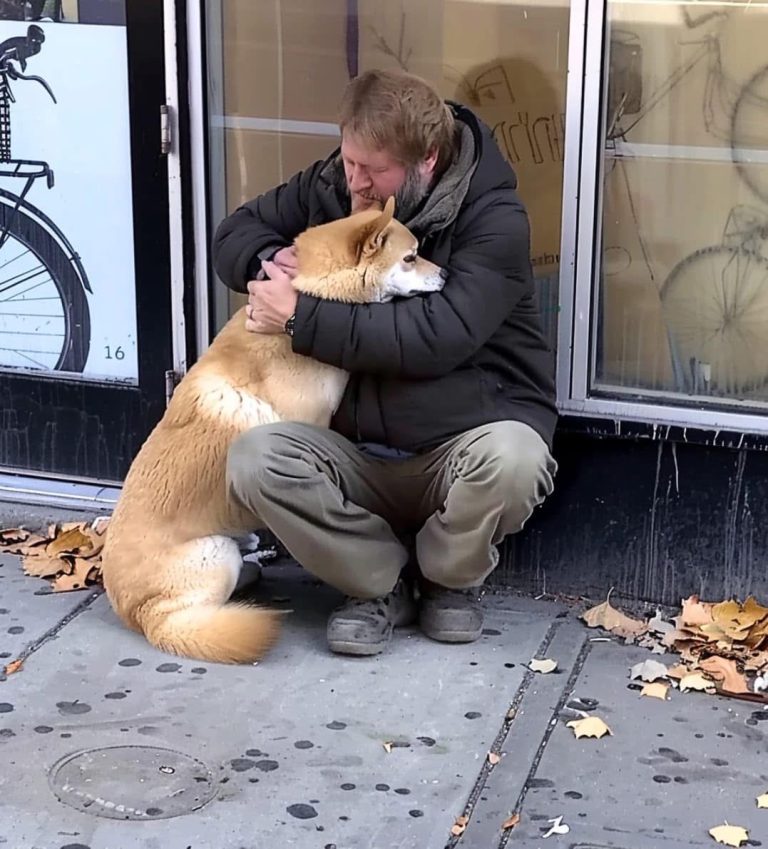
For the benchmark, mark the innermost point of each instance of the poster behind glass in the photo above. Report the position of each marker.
(67, 283)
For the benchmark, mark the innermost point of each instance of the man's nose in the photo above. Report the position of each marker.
(358, 179)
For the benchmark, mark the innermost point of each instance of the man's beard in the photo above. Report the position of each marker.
(408, 198)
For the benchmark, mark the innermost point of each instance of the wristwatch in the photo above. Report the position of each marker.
(290, 325)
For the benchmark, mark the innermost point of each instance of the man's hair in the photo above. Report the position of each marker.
(401, 114)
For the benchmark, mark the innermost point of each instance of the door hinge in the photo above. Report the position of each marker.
(172, 380)
(165, 129)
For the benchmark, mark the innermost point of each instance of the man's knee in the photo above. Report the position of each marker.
(514, 460)
(257, 451)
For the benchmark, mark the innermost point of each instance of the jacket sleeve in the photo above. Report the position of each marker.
(489, 272)
(272, 220)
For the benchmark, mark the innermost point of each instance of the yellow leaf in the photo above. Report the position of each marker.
(493, 758)
(69, 541)
(725, 671)
(14, 666)
(656, 690)
(696, 613)
(76, 580)
(695, 681)
(762, 801)
(730, 835)
(605, 616)
(591, 726)
(510, 822)
(544, 665)
(460, 826)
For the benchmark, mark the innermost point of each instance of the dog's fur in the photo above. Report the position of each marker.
(170, 562)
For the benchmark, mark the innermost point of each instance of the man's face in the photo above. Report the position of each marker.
(374, 175)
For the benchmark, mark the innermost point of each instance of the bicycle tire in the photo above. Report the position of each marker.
(64, 268)
(715, 304)
(749, 131)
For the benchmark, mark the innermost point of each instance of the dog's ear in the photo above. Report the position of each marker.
(372, 236)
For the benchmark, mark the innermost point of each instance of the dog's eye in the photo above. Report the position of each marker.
(410, 258)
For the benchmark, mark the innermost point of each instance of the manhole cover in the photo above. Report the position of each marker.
(132, 782)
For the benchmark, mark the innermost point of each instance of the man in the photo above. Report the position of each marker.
(442, 437)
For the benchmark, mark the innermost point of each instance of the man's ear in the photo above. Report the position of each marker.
(371, 238)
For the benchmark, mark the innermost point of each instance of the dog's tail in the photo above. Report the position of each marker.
(229, 633)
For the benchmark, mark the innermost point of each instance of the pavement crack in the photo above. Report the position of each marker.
(53, 632)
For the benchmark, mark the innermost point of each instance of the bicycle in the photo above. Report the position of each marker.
(44, 314)
(715, 300)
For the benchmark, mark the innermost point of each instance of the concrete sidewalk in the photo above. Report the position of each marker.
(106, 743)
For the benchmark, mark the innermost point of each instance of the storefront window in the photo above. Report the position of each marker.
(682, 307)
(277, 70)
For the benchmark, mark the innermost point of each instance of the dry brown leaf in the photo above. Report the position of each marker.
(493, 758)
(762, 800)
(655, 690)
(591, 726)
(69, 541)
(460, 826)
(42, 566)
(510, 822)
(730, 835)
(607, 617)
(18, 540)
(14, 666)
(696, 681)
(64, 582)
(678, 671)
(695, 612)
(725, 673)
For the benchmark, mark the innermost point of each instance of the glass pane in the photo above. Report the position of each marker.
(683, 261)
(277, 71)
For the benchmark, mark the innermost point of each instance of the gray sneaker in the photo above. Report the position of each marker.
(451, 616)
(364, 627)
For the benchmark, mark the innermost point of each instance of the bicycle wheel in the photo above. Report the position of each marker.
(749, 134)
(45, 322)
(715, 303)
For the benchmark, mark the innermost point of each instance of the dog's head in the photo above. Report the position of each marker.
(369, 257)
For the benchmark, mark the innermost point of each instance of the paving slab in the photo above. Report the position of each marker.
(106, 743)
(286, 753)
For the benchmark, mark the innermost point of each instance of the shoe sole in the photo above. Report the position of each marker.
(453, 636)
(356, 649)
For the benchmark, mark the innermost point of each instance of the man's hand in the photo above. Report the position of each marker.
(271, 302)
(285, 258)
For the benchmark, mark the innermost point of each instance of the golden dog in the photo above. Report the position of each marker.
(170, 562)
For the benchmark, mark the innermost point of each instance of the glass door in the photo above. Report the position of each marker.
(85, 338)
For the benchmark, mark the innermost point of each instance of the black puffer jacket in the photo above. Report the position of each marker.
(424, 368)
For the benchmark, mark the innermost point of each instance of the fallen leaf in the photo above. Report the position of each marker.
(762, 800)
(696, 681)
(510, 822)
(680, 670)
(18, 540)
(76, 580)
(660, 626)
(590, 726)
(557, 827)
(730, 835)
(648, 670)
(511, 713)
(696, 613)
(460, 826)
(387, 747)
(607, 617)
(725, 672)
(69, 541)
(544, 665)
(41, 565)
(493, 758)
(655, 690)
(14, 666)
